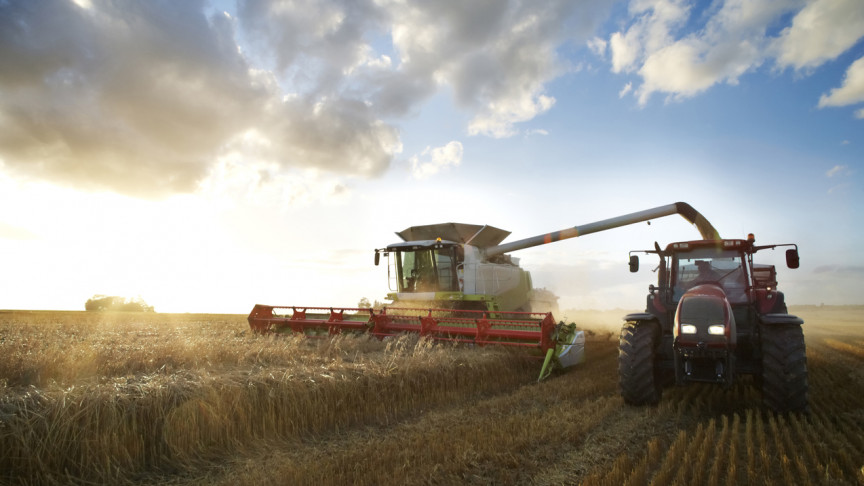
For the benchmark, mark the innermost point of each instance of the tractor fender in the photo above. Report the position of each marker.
(645, 320)
(780, 320)
(640, 317)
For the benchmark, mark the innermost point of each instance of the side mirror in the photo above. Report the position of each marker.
(634, 263)
(792, 258)
(377, 258)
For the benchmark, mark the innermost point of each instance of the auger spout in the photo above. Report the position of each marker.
(687, 211)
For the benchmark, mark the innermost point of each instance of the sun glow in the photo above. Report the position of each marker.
(192, 253)
(113, 244)
(85, 4)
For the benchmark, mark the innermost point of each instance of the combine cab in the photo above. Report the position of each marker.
(457, 282)
(449, 271)
(713, 316)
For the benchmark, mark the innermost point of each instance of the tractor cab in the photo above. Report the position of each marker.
(701, 265)
(727, 264)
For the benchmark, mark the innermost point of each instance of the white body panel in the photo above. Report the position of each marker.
(476, 277)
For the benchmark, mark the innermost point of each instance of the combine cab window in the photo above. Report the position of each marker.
(724, 268)
(427, 270)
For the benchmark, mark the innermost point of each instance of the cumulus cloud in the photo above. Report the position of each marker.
(850, 92)
(331, 32)
(126, 95)
(143, 97)
(495, 56)
(146, 97)
(821, 31)
(672, 57)
(728, 46)
(651, 29)
(434, 160)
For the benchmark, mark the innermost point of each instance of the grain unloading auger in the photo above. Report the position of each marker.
(456, 282)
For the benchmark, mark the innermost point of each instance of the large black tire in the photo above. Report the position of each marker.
(784, 368)
(638, 377)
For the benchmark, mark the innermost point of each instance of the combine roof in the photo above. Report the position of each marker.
(482, 236)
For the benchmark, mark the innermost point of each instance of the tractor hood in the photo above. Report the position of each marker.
(704, 319)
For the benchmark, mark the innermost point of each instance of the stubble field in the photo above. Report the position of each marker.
(197, 399)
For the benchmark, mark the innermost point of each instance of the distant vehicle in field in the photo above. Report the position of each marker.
(714, 315)
(115, 303)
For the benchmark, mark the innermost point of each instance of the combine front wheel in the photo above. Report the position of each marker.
(638, 378)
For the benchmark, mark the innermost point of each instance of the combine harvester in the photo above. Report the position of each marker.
(456, 282)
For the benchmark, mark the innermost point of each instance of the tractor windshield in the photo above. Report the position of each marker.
(709, 265)
(427, 270)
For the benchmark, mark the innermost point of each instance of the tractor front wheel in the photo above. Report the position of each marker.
(638, 378)
(784, 368)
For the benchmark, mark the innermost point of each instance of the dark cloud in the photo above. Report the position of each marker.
(334, 32)
(132, 96)
(496, 56)
(333, 133)
(143, 97)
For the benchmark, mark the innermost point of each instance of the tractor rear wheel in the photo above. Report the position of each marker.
(784, 369)
(638, 376)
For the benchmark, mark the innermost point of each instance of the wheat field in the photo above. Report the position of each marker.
(131, 398)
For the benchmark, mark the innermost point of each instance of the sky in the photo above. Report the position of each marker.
(210, 155)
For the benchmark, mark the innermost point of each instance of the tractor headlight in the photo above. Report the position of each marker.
(717, 329)
(688, 329)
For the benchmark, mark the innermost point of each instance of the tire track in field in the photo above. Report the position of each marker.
(505, 438)
(574, 429)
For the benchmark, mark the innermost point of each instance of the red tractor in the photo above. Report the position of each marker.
(714, 315)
